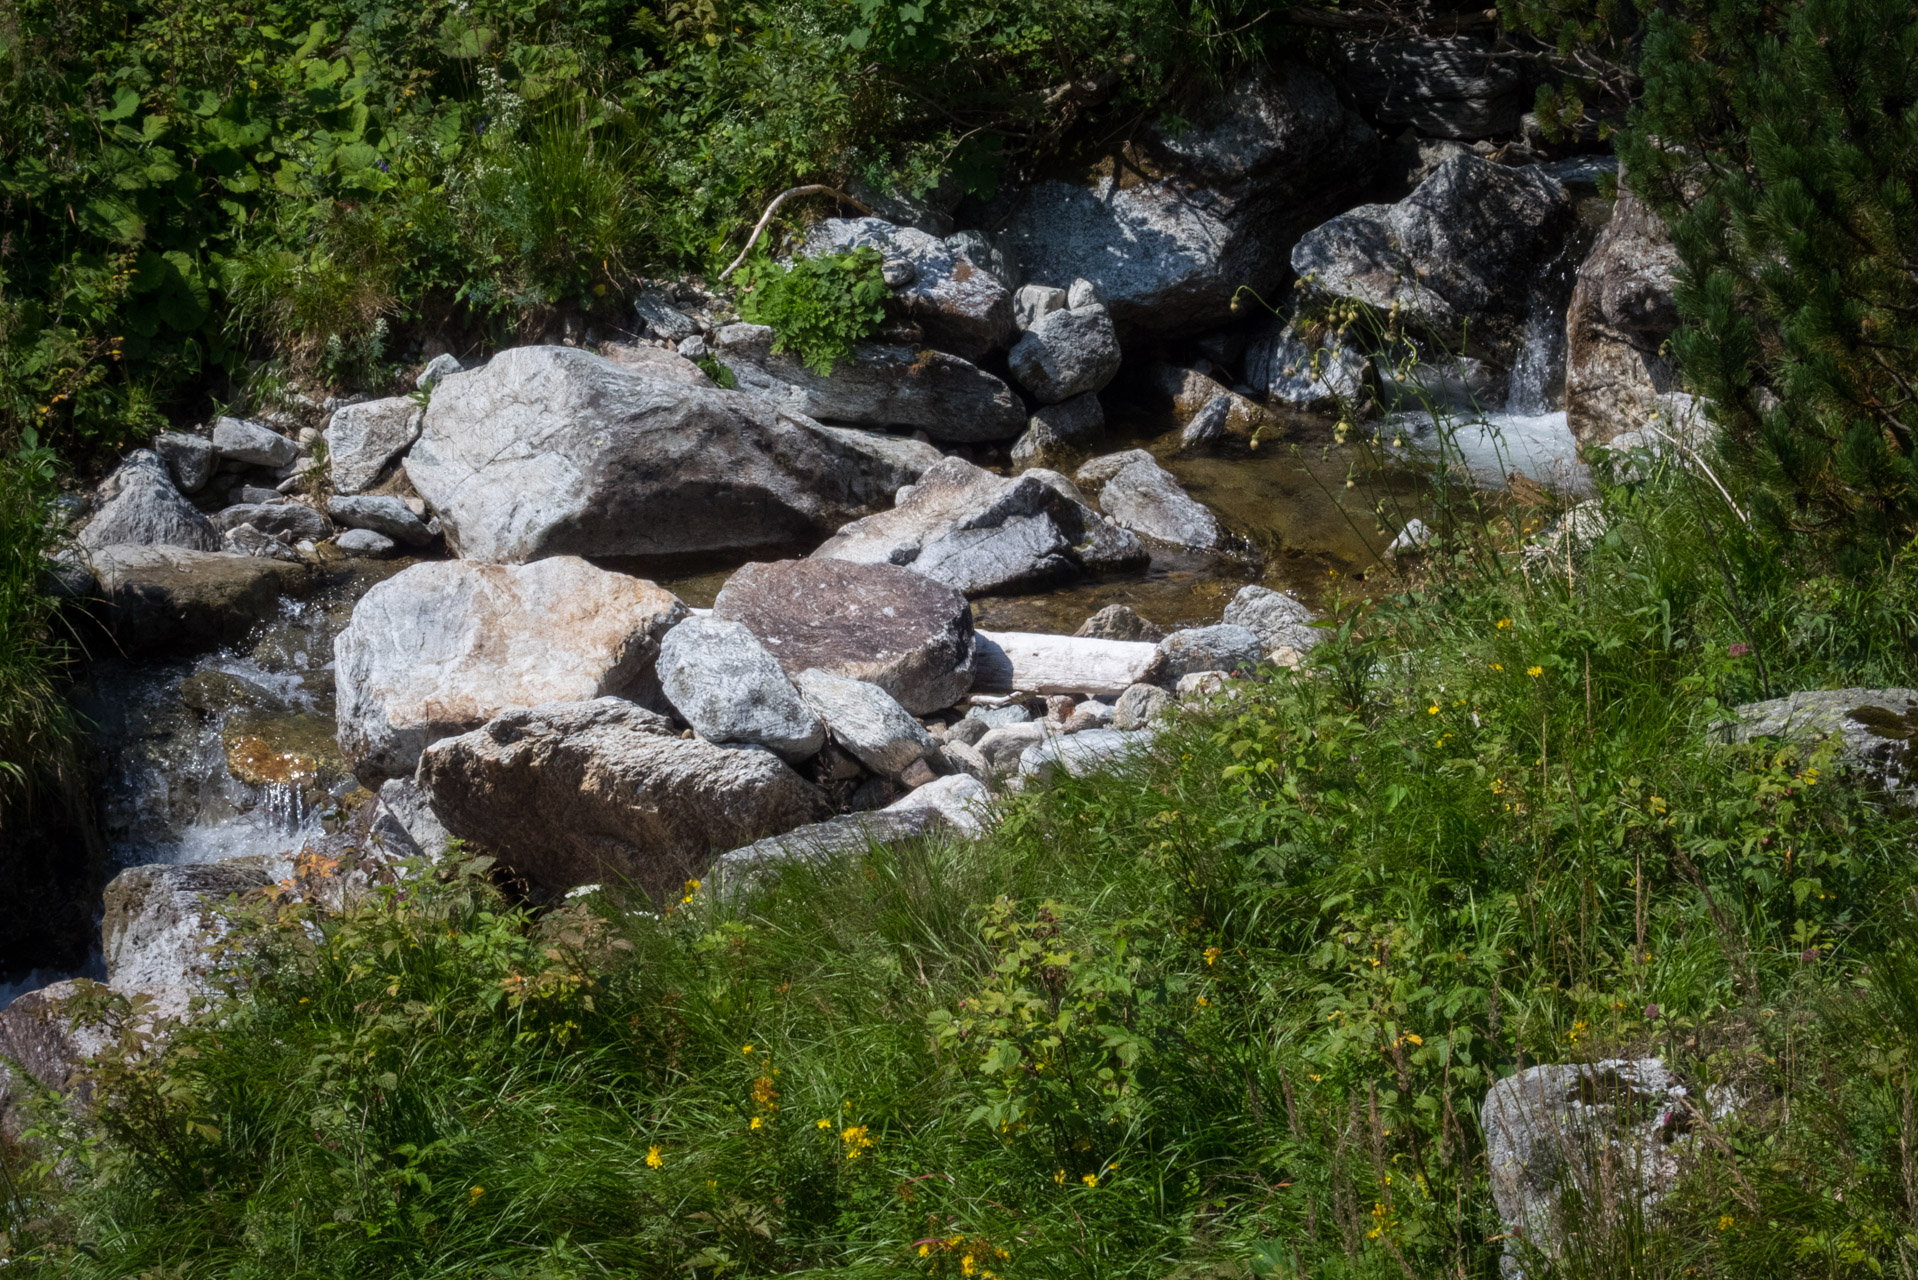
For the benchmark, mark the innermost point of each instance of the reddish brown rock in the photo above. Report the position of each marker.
(878, 623)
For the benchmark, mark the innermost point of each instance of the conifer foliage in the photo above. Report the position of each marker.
(1781, 144)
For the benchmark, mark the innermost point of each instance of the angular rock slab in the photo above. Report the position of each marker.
(1458, 257)
(725, 684)
(1093, 751)
(867, 721)
(962, 307)
(442, 647)
(140, 507)
(555, 451)
(902, 631)
(820, 844)
(170, 599)
(381, 514)
(1223, 647)
(156, 923)
(1066, 354)
(883, 385)
(981, 533)
(963, 801)
(190, 459)
(1136, 493)
(254, 443)
(1622, 311)
(1281, 619)
(362, 440)
(1874, 729)
(590, 792)
(1035, 663)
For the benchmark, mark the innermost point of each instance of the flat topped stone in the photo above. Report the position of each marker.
(906, 633)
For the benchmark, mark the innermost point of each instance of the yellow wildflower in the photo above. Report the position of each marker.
(825, 1124)
(477, 1192)
(757, 1122)
(1535, 672)
(1725, 1223)
(1497, 667)
(1059, 1178)
(653, 1159)
(856, 1139)
(1204, 1003)
(1091, 1179)
(1413, 1039)
(1504, 624)
(924, 1249)
(1432, 710)
(745, 1048)
(965, 1265)
(1212, 954)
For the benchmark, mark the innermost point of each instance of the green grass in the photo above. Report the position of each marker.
(1230, 1014)
(35, 724)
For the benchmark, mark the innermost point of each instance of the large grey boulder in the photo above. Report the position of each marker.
(1281, 619)
(1066, 354)
(554, 451)
(960, 304)
(1611, 1134)
(1252, 169)
(1136, 493)
(883, 385)
(1222, 647)
(1453, 87)
(42, 1049)
(867, 721)
(1872, 730)
(254, 443)
(163, 599)
(382, 514)
(363, 439)
(906, 633)
(981, 533)
(140, 507)
(594, 792)
(725, 685)
(190, 459)
(1621, 313)
(156, 922)
(1457, 259)
(1060, 434)
(442, 647)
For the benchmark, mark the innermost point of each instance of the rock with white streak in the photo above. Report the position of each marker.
(363, 439)
(290, 520)
(982, 533)
(960, 304)
(442, 647)
(867, 721)
(881, 385)
(554, 451)
(1135, 492)
(139, 506)
(1066, 353)
(725, 685)
(405, 823)
(1037, 663)
(820, 844)
(605, 791)
(246, 540)
(906, 633)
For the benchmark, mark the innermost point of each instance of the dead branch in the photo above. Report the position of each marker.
(814, 189)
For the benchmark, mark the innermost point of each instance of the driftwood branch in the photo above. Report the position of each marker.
(815, 189)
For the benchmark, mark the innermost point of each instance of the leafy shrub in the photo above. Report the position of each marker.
(817, 307)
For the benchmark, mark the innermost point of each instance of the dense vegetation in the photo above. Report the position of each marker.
(1230, 1014)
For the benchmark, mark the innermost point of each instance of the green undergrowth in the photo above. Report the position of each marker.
(1230, 1013)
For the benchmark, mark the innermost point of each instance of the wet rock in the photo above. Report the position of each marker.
(1607, 1133)
(982, 533)
(1454, 87)
(1119, 622)
(405, 823)
(819, 844)
(442, 647)
(902, 631)
(1060, 434)
(140, 507)
(553, 451)
(1874, 729)
(590, 792)
(366, 542)
(290, 520)
(266, 748)
(1067, 353)
(170, 599)
(1094, 751)
(1223, 647)
(724, 684)
(867, 721)
(362, 440)
(1140, 705)
(437, 370)
(157, 921)
(190, 459)
(1138, 494)
(883, 385)
(961, 799)
(1281, 619)
(254, 443)
(1208, 425)
(1308, 368)
(1224, 199)
(214, 693)
(381, 514)
(961, 305)
(1621, 314)
(1457, 258)
(1036, 663)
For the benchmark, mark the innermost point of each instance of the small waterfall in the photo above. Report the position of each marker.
(1538, 374)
